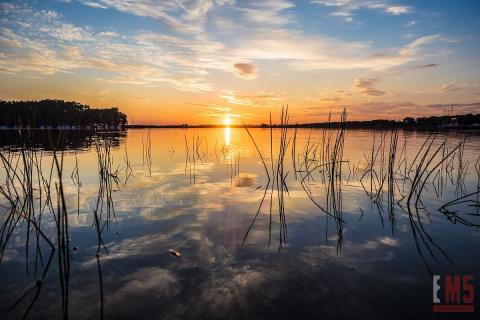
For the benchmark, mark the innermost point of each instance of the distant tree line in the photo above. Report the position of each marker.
(460, 120)
(433, 122)
(58, 113)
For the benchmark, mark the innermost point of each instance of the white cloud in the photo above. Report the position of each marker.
(323, 53)
(397, 10)
(269, 12)
(93, 4)
(259, 99)
(181, 15)
(230, 97)
(68, 32)
(346, 8)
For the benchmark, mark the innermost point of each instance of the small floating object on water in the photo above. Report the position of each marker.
(259, 187)
(174, 253)
(75, 248)
(117, 233)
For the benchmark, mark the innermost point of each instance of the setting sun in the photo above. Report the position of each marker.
(227, 121)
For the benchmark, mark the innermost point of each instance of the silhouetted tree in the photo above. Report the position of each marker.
(409, 121)
(58, 113)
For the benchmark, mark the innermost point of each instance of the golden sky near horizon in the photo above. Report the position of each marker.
(203, 61)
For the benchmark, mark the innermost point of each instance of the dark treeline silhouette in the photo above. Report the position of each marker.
(432, 122)
(456, 120)
(58, 113)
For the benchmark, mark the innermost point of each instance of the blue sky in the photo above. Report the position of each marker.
(203, 60)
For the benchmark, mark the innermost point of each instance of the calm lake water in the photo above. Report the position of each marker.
(354, 251)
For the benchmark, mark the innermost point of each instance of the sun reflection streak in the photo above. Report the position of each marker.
(227, 136)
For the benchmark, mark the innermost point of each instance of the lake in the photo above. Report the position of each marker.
(202, 224)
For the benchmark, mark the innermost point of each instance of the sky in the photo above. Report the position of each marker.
(208, 61)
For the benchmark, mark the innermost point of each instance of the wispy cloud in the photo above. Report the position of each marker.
(260, 99)
(268, 12)
(231, 97)
(426, 66)
(411, 23)
(347, 8)
(368, 87)
(93, 4)
(454, 86)
(181, 15)
(40, 42)
(323, 53)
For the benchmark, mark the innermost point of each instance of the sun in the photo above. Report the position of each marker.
(227, 121)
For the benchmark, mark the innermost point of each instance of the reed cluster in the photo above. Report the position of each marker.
(31, 195)
(276, 174)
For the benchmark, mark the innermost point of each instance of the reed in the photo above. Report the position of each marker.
(148, 153)
(109, 182)
(63, 237)
(391, 176)
(25, 182)
(326, 159)
(33, 188)
(462, 168)
(427, 161)
(276, 180)
(75, 176)
(128, 165)
(448, 209)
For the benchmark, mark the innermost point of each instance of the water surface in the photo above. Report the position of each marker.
(197, 192)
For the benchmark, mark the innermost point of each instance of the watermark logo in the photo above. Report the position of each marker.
(453, 293)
